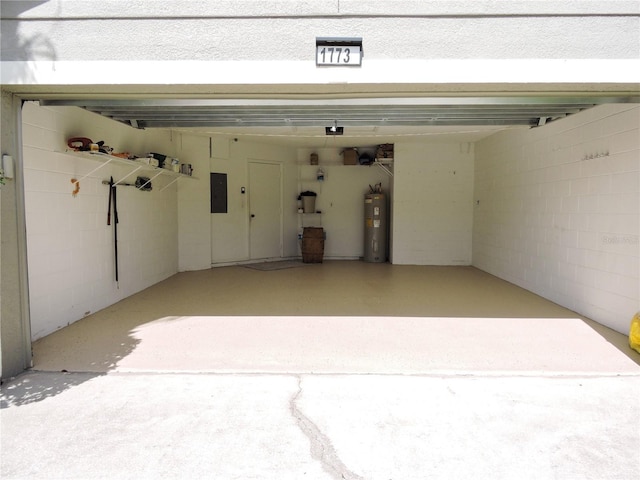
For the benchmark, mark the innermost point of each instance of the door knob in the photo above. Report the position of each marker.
(252, 215)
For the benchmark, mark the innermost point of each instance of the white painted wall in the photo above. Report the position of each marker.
(15, 341)
(432, 203)
(559, 211)
(230, 231)
(340, 198)
(194, 227)
(70, 246)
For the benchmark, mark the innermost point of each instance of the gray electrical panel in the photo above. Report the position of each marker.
(375, 228)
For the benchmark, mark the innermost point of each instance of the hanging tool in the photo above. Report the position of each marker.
(142, 183)
(113, 201)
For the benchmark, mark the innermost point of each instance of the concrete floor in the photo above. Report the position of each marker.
(339, 370)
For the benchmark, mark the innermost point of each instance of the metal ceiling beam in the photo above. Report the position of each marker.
(386, 101)
(433, 122)
(413, 111)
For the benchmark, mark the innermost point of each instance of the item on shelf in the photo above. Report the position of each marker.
(102, 148)
(350, 156)
(365, 159)
(385, 151)
(152, 162)
(158, 156)
(186, 169)
(84, 144)
(79, 144)
(125, 155)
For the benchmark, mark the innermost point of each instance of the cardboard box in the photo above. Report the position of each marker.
(350, 156)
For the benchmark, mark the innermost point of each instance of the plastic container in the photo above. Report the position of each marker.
(308, 202)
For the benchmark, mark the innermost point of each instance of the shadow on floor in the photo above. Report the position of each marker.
(619, 341)
(32, 387)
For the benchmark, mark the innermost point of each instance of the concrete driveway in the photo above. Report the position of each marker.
(377, 402)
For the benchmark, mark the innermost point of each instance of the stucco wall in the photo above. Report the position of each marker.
(409, 46)
(286, 30)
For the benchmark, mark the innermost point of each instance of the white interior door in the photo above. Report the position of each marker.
(265, 198)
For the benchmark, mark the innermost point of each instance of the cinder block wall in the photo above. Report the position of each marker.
(70, 247)
(557, 211)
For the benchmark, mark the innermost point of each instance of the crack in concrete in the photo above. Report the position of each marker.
(320, 445)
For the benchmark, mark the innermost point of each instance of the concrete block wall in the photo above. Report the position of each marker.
(69, 245)
(432, 203)
(557, 211)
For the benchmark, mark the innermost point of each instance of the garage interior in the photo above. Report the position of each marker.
(466, 351)
(536, 191)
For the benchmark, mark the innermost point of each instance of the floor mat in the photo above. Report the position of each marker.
(268, 266)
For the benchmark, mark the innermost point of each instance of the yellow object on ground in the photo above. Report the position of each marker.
(634, 333)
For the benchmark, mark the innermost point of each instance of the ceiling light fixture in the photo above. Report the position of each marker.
(334, 130)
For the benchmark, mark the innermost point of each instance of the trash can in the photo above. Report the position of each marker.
(308, 201)
(312, 244)
(308, 204)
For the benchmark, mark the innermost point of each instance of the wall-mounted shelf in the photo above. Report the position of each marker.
(384, 164)
(105, 159)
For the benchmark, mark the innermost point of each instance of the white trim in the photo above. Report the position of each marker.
(372, 72)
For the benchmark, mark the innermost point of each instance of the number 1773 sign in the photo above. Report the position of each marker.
(338, 55)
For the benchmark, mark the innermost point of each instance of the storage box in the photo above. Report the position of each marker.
(350, 156)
